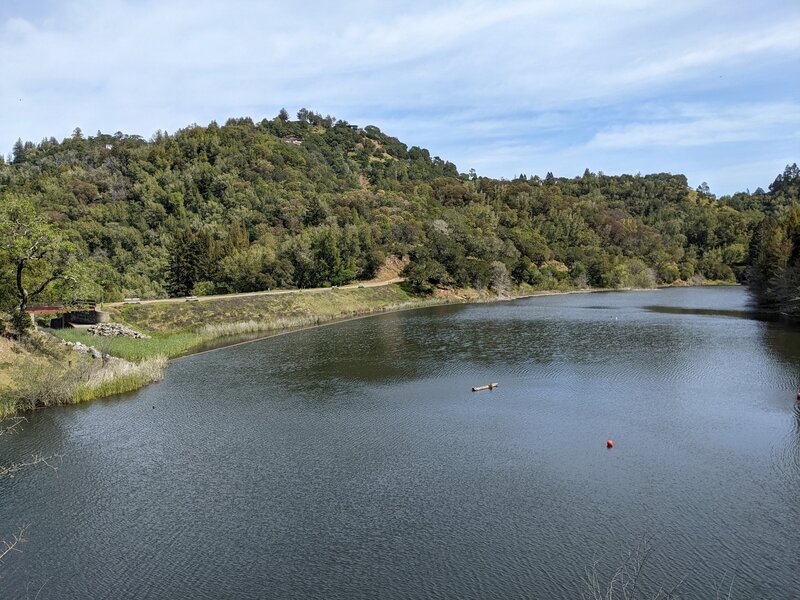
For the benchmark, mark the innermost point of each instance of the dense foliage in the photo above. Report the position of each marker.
(774, 275)
(315, 202)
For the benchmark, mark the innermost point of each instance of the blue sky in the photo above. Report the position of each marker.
(710, 89)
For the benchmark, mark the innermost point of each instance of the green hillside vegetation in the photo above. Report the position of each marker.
(774, 275)
(317, 202)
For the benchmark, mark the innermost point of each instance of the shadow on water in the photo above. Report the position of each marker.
(786, 464)
(714, 312)
(390, 349)
(782, 342)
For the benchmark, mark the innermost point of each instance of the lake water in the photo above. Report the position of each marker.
(353, 461)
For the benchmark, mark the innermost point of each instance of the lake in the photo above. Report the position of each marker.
(353, 460)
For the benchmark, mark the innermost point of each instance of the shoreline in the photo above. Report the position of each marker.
(430, 303)
(218, 336)
(414, 306)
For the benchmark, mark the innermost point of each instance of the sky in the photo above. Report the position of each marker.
(707, 88)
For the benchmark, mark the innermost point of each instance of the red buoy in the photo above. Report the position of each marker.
(610, 444)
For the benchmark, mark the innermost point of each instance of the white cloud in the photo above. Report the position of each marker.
(462, 77)
(717, 50)
(701, 125)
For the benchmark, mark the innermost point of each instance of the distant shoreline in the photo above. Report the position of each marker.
(425, 303)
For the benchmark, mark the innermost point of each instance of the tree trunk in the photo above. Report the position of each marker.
(21, 291)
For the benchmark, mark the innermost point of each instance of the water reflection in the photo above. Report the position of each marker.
(465, 340)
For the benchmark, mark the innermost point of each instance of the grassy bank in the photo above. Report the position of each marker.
(274, 311)
(136, 350)
(40, 371)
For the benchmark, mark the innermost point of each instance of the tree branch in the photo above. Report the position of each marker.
(36, 459)
(47, 282)
(13, 423)
(7, 546)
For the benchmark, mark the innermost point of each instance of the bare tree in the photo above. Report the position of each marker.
(624, 583)
(10, 425)
(7, 426)
(10, 545)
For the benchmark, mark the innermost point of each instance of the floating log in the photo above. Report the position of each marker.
(480, 388)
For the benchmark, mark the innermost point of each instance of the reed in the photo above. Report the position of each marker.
(118, 377)
(218, 330)
(48, 385)
(8, 405)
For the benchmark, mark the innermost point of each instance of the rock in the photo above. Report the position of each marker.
(114, 330)
(84, 349)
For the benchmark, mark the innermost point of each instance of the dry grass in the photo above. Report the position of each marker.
(82, 381)
(184, 317)
(218, 330)
(117, 377)
(240, 328)
(41, 371)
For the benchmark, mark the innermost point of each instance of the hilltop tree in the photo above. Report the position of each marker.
(18, 152)
(787, 185)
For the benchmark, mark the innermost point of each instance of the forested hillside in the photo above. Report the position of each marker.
(314, 202)
(774, 275)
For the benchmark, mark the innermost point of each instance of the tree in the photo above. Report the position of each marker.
(787, 185)
(283, 115)
(500, 281)
(704, 189)
(35, 249)
(193, 258)
(424, 276)
(18, 152)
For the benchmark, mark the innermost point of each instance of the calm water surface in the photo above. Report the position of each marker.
(352, 461)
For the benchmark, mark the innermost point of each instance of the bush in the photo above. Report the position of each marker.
(204, 288)
(423, 277)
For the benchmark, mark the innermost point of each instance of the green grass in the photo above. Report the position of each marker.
(8, 404)
(132, 349)
(178, 327)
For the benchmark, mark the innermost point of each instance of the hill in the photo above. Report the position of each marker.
(314, 202)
